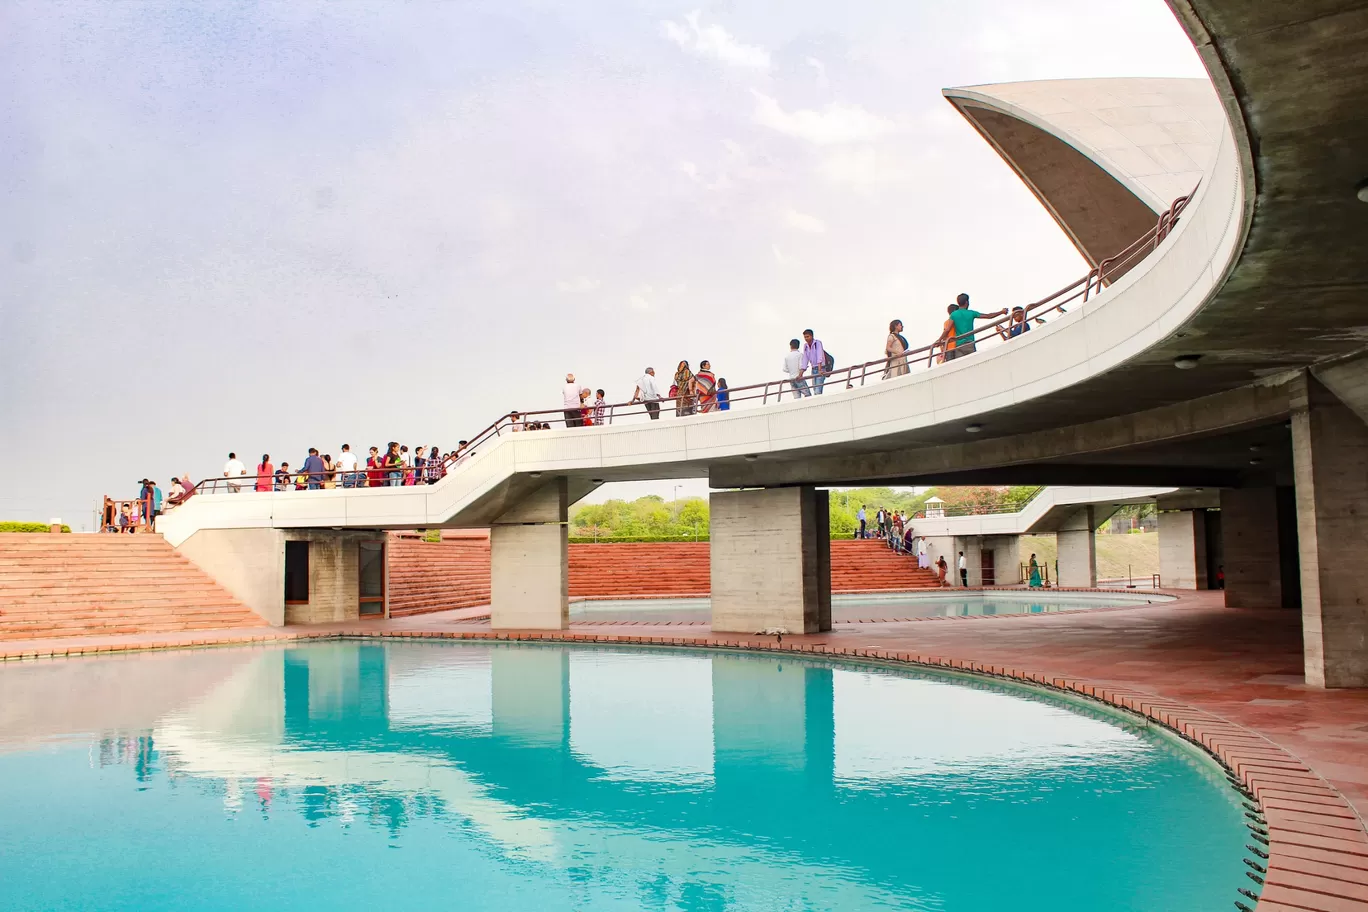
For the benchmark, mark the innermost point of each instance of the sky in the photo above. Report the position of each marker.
(261, 227)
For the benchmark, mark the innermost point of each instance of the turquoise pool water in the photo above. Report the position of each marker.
(857, 606)
(363, 776)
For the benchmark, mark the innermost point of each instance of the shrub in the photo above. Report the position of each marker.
(28, 527)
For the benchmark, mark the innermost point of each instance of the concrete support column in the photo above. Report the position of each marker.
(1330, 467)
(1182, 549)
(1249, 522)
(972, 546)
(1077, 544)
(529, 562)
(771, 560)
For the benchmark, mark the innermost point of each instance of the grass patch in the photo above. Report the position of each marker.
(1117, 555)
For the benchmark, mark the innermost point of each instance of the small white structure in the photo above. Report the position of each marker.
(935, 508)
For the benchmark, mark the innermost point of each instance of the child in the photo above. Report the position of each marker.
(599, 407)
(125, 518)
(282, 477)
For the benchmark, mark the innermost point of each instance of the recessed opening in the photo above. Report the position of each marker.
(296, 573)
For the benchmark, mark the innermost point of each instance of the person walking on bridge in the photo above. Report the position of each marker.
(570, 401)
(816, 358)
(963, 319)
(684, 390)
(233, 468)
(895, 350)
(265, 473)
(314, 470)
(648, 393)
(793, 368)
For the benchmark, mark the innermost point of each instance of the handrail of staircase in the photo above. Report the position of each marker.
(1080, 290)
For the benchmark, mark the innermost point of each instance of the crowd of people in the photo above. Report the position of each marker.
(807, 366)
(397, 466)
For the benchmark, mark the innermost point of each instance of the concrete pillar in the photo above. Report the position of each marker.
(1077, 550)
(529, 584)
(1249, 521)
(771, 560)
(972, 546)
(1330, 467)
(1182, 549)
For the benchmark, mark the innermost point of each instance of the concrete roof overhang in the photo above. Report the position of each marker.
(1290, 78)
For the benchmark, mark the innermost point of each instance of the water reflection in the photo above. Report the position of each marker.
(579, 778)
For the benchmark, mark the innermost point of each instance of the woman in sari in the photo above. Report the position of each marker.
(895, 350)
(723, 395)
(684, 390)
(705, 385)
(1035, 573)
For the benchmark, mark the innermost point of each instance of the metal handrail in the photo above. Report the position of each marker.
(1080, 290)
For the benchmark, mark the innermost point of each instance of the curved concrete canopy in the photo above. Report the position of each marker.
(1103, 156)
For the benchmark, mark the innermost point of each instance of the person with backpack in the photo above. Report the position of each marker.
(816, 358)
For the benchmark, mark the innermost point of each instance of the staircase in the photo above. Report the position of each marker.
(454, 573)
(437, 576)
(634, 569)
(871, 566)
(96, 585)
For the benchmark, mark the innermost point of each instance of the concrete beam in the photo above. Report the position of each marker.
(771, 560)
(529, 562)
(1038, 453)
(1330, 453)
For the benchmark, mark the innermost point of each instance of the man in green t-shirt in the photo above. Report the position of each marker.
(963, 319)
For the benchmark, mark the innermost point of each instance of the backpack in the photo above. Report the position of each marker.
(828, 362)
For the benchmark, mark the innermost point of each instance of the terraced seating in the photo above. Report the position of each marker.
(454, 573)
(91, 585)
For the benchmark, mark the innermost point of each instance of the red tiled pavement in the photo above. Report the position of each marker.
(1229, 679)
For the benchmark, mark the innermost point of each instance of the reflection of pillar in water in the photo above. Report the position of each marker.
(773, 723)
(343, 687)
(531, 694)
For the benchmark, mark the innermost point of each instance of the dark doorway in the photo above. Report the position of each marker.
(988, 574)
(296, 573)
(372, 577)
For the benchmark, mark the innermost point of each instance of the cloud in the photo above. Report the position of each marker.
(762, 313)
(690, 170)
(577, 285)
(801, 221)
(714, 41)
(779, 255)
(819, 67)
(833, 125)
(866, 168)
(641, 298)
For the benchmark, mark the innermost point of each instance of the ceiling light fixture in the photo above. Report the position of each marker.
(1256, 461)
(973, 428)
(1186, 362)
(1361, 191)
(751, 457)
(535, 474)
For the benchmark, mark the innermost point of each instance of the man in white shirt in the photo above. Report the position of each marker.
(346, 464)
(570, 401)
(793, 368)
(964, 570)
(234, 468)
(647, 392)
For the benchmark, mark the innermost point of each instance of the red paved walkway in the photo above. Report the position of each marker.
(1192, 664)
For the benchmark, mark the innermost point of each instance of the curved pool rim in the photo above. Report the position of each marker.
(1253, 763)
(1071, 601)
